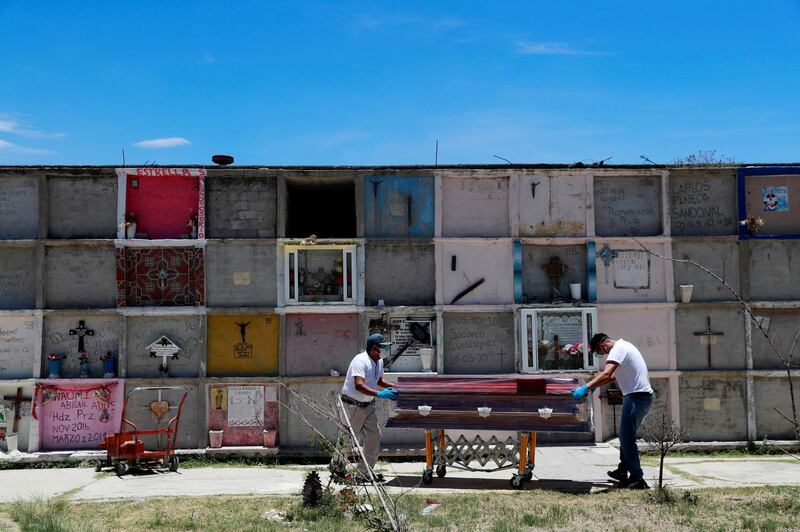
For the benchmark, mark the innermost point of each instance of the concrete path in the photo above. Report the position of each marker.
(572, 469)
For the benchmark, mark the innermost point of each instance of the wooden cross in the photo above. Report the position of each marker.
(81, 331)
(708, 338)
(555, 270)
(17, 400)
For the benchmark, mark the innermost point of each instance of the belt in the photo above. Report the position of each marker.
(350, 401)
(638, 394)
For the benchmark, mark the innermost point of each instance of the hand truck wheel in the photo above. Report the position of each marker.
(517, 481)
(441, 471)
(121, 467)
(427, 476)
(174, 462)
(98, 466)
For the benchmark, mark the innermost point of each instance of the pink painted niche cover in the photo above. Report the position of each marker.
(243, 412)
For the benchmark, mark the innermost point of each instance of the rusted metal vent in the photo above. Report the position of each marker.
(222, 160)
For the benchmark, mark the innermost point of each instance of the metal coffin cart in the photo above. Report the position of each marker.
(525, 404)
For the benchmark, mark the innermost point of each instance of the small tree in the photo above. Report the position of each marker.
(663, 434)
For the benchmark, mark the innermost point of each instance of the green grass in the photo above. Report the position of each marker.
(765, 508)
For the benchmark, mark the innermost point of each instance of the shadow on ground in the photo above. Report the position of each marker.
(455, 483)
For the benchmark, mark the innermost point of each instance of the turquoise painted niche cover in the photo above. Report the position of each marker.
(399, 207)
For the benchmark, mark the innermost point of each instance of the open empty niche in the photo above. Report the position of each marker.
(325, 207)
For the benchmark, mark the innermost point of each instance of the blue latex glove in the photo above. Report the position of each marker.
(388, 393)
(579, 394)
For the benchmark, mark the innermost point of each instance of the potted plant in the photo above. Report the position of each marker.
(83, 360)
(127, 229)
(54, 362)
(192, 225)
(108, 365)
(574, 355)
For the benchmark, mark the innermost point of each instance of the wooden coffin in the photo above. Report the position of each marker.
(517, 402)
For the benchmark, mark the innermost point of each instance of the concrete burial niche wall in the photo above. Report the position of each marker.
(147, 410)
(632, 275)
(774, 268)
(63, 333)
(186, 332)
(714, 409)
(612, 413)
(475, 207)
(649, 328)
(19, 207)
(398, 206)
(400, 274)
(9, 397)
(240, 206)
(771, 394)
(241, 274)
(148, 277)
(536, 285)
(772, 197)
(18, 343)
(77, 414)
(728, 349)
(243, 411)
(80, 277)
(782, 325)
(627, 205)
(702, 201)
(17, 277)
(82, 206)
(162, 205)
(243, 345)
(552, 205)
(317, 343)
(462, 264)
(478, 343)
(721, 257)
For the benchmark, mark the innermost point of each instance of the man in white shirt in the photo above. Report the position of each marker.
(359, 391)
(626, 365)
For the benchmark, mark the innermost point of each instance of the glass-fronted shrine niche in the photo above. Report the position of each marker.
(557, 339)
(320, 274)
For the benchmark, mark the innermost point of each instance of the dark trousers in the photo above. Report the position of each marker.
(634, 408)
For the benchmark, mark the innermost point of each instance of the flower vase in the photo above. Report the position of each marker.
(215, 438)
(108, 368)
(194, 231)
(426, 358)
(130, 230)
(54, 368)
(270, 437)
(85, 371)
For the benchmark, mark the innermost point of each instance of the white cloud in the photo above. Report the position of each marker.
(16, 148)
(157, 144)
(208, 59)
(551, 48)
(13, 127)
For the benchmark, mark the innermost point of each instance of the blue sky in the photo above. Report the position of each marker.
(311, 82)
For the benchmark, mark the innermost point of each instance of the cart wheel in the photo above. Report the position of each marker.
(516, 482)
(121, 467)
(98, 466)
(427, 476)
(174, 462)
(441, 471)
(528, 475)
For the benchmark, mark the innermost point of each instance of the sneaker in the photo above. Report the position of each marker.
(638, 484)
(619, 475)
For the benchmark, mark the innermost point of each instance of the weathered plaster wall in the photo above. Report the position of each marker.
(17, 277)
(318, 343)
(478, 342)
(633, 276)
(243, 345)
(82, 207)
(702, 201)
(475, 207)
(18, 345)
(19, 206)
(241, 274)
(782, 325)
(80, 277)
(8, 391)
(398, 206)
(400, 274)
(771, 394)
(773, 267)
(241, 427)
(729, 350)
(721, 257)
(57, 339)
(187, 332)
(611, 413)
(140, 413)
(490, 260)
(536, 285)
(552, 204)
(240, 206)
(713, 409)
(627, 205)
(649, 328)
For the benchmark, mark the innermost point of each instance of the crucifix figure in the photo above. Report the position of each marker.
(81, 331)
(708, 338)
(555, 270)
(17, 400)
